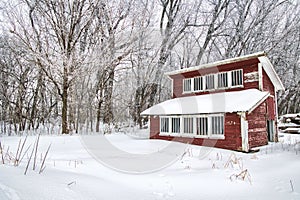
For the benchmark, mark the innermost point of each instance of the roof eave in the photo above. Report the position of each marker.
(217, 63)
(270, 70)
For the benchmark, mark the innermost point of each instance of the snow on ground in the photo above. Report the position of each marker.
(74, 171)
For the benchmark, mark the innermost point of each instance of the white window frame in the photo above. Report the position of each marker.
(213, 81)
(171, 124)
(160, 124)
(242, 79)
(202, 80)
(206, 126)
(184, 81)
(193, 133)
(218, 125)
(191, 122)
(222, 86)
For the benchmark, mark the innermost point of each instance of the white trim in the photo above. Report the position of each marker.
(172, 87)
(244, 132)
(271, 73)
(260, 77)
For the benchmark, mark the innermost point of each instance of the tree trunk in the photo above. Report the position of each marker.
(65, 103)
(108, 104)
(98, 116)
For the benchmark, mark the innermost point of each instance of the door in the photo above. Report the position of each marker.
(270, 130)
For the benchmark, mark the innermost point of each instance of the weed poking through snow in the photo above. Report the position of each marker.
(15, 159)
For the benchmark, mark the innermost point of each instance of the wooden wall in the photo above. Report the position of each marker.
(257, 123)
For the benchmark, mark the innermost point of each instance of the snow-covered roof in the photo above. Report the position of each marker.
(225, 102)
(262, 57)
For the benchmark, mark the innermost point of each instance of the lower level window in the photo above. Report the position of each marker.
(164, 124)
(175, 125)
(196, 125)
(188, 125)
(217, 125)
(202, 125)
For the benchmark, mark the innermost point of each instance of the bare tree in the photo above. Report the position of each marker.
(114, 45)
(56, 31)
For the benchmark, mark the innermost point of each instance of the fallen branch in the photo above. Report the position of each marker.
(242, 176)
(71, 183)
(233, 160)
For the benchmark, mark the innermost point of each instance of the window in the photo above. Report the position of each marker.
(164, 124)
(237, 77)
(198, 83)
(222, 80)
(202, 126)
(210, 82)
(187, 85)
(217, 125)
(188, 125)
(175, 125)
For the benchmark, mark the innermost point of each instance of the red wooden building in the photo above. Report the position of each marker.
(228, 104)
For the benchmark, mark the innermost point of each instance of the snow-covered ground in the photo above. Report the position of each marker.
(137, 168)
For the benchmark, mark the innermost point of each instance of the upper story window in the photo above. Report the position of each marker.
(236, 77)
(198, 83)
(222, 80)
(210, 81)
(187, 85)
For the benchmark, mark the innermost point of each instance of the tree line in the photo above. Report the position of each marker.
(84, 63)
